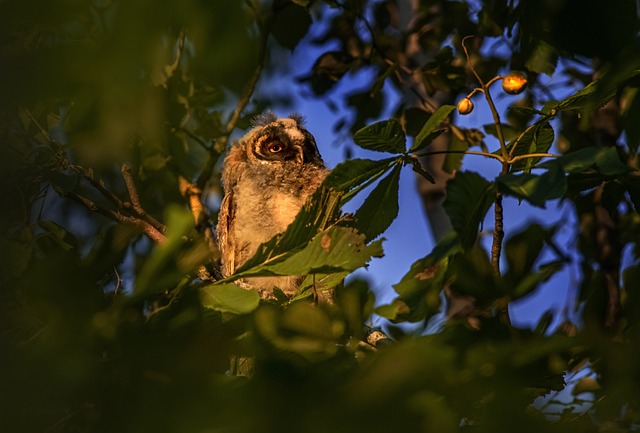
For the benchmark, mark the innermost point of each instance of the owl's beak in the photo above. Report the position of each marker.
(298, 156)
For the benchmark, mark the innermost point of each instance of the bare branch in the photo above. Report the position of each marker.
(135, 200)
(153, 233)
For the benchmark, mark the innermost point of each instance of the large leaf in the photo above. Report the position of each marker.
(336, 249)
(535, 140)
(384, 136)
(161, 268)
(290, 25)
(603, 160)
(469, 197)
(229, 298)
(419, 289)
(353, 175)
(319, 211)
(471, 273)
(431, 130)
(381, 206)
(536, 189)
(522, 251)
(417, 167)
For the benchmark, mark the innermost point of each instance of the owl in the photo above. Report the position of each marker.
(267, 176)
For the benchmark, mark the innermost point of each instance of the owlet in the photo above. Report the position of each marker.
(267, 176)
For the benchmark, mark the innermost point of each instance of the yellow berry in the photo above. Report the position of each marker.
(514, 83)
(465, 106)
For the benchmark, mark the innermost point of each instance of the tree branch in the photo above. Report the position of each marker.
(144, 226)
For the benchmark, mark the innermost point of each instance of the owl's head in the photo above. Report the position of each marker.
(274, 140)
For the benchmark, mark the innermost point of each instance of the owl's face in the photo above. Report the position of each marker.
(282, 140)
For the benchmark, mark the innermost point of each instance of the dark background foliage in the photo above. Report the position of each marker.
(114, 117)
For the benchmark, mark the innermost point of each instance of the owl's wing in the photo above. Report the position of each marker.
(225, 231)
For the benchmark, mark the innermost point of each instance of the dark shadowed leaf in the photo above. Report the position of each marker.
(417, 167)
(385, 136)
(355, 174)
(542, 59)
(419, 289)
(536, 189)
(604, 160)
(469, 197)
(537, 139)
(290, 24)
(381, 206)
(431, 130)
(229, 298)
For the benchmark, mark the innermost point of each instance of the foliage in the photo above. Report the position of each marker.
(114, 117)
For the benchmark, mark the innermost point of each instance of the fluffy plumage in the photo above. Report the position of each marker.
(267, 176)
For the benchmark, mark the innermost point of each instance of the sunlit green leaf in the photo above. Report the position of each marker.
(336, 249)
(380, 208)
(353, 175)
(319, 211)
(469, 197)
(384, 136)
(229, 298)
(430, 129)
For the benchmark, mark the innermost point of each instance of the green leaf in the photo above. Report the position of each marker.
(453, 161)
(320, 210)
(290, 25)
(585, 100)
(229, 298)
(354, 175)
(417, 167)
(419, 289)
(604, 160)
(471, 273)
(537, 139)
(336, 249)
(321, 282)
(430, 129)
(536, 189)
(380, 208)
(543, 59)
(508, 131)
(469, 197)
(161, 269)
(531, 281)
(522, 250)
(384, 136)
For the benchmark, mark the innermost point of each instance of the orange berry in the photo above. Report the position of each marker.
(514, 83)
(465, 106)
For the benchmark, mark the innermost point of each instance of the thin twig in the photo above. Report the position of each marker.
(533, 155)
(99, 186)
(118, 281)
(149, 230)
(127, 175)
(466, 152)
(487, 95)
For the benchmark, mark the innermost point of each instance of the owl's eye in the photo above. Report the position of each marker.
(275, 147)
